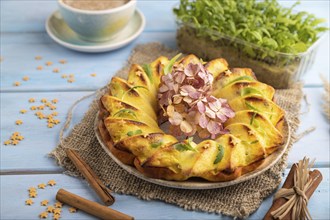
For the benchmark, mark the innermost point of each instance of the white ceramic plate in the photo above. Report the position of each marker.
(60, 32)
(269, 162)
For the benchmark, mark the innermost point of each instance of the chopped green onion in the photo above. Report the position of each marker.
(147, 69)
(254, 142)
(252, 118)
(136, 132)
(133, 88)
(156, 144)
(221, 152)
(184, 147)
(251, 107)
(125, 111)
(169, 65)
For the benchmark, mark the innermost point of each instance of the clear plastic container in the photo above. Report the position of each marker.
(280, 70)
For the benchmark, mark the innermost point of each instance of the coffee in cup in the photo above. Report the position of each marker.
(95, 5)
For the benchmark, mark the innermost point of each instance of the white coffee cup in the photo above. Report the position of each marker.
(97, 25)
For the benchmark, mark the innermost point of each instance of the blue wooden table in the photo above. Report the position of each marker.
(23, 37)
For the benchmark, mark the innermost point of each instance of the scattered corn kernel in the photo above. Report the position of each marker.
(33, 107)
(50, 209)
(72, 210)
(19, 138)
(16, 133)
(38, 113)
(41, 107)
(54, 113)
(52, 107)
(71, 75)
(62, 61)
(23, 111)
(55, 101)
(32, 100)
(38, 58)
(51, 182)
(56, 121)
(56, 217)
(64, 76)
(93, 74)
(49, 63)
(25, 78)
(7, 142)
(56, 70)
(41, 186)
(29, 202)
(43, 215)
(32, 189)
(58, 204)
(16, 137)
(17, 83)
(14, 142)
(39, 67)
(43, 100)
(44, 202)
(19, 122)
(57, 211)
(71, 80)
(50, 125)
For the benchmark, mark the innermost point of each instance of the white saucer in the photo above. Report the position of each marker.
(60, 32)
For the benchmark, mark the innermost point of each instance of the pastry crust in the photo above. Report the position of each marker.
(128, 125)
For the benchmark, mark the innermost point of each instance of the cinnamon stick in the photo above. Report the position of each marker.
(90, 207)
(289, 182)
(102, 191)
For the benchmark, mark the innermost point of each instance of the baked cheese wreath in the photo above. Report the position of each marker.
(129, 125)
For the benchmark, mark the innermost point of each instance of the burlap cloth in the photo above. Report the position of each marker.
(238, 201)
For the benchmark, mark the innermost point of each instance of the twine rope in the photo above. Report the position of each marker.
(69, 117)
(304, 133)
(296, 196)
(308, 105)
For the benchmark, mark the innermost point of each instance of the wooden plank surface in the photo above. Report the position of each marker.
(31, 153)
(316, 143)
(23, 37)
(14, 193)
(24, 48)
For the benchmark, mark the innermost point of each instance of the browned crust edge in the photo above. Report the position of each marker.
(162, 172)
